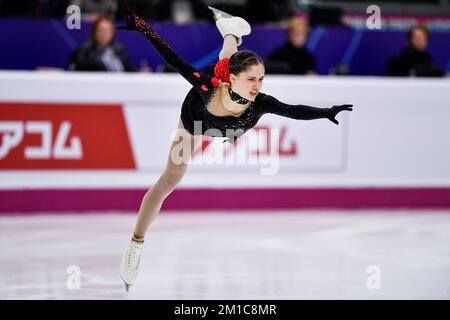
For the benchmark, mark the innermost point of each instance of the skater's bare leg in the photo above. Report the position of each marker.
(169, 179)
(229, 46)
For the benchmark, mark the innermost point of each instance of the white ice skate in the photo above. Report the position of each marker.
(228, 24)
(131, 259)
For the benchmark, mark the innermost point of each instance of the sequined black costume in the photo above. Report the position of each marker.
(194, 105)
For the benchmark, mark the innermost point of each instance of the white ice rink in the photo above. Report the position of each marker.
(218, 255)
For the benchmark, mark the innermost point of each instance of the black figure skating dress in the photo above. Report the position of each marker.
(194, 107)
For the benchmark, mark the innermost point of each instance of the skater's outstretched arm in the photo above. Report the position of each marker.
(270, 104)
(200, 81)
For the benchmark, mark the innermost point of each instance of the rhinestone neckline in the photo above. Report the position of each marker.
(237, 98)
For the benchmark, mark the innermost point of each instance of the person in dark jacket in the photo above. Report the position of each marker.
(293, 57)
(414, 60)
(101, 52)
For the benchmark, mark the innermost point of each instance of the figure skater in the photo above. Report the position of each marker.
(229, 101)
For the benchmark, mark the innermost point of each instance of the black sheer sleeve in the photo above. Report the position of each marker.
(269, 104)
(200, 81)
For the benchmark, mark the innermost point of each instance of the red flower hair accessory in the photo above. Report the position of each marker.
(221, 72)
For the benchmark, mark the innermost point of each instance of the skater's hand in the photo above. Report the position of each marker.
(336, 109)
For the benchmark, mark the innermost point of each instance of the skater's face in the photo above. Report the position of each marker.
(248, 83)
(104, 33)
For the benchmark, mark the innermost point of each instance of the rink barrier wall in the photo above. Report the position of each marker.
(232, 200)
(89, 141)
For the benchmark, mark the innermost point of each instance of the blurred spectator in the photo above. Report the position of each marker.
(101, 52)
(293, 57)
(414, 60)
(97, 7)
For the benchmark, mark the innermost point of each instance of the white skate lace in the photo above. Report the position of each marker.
(133, 259)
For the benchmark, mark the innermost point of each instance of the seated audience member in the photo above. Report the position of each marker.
(101, 52)
(293, 57)
(414, 60)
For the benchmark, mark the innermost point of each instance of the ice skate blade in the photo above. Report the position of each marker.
(219, 14)
(127, 286)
